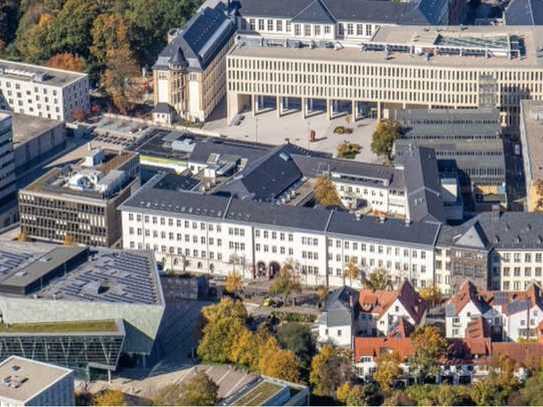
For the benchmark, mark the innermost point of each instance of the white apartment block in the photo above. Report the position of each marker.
(42, 91)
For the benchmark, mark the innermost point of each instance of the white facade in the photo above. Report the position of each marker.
(340, 335)
(42, 91)
(200, 244)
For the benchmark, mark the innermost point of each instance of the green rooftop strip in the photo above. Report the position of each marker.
(259, 395)
(60, 327)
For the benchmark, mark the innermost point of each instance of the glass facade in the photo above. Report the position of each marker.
(81, 352)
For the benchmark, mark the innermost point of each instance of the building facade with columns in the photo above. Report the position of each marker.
(398, 67)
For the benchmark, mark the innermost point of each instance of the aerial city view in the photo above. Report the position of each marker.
(271, 202)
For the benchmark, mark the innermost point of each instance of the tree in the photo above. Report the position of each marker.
(224, 322)
(110, 398)
(352, 271)
(297, 338)
(329, 369)
(286, 283)
(67, 61)
(532, 392)
(385, 134)
(118, 78)
(325, 192)
(246, 349)
(200, 390)
(430, 347)
(9, 19)
(388, 370)
(22, 236)
(378, 280)
(348, 150)
(234, 283)
(109, 32)
(432, 295)
(278, 363)
(32, 43)
(69, 240)
(322, 293)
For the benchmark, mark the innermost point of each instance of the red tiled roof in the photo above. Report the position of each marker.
(373, 347)
(467, 293)
(477, 328)
(378, 302)
(525, 354)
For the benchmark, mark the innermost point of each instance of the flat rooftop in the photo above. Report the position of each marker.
(38, 73)
(102, 180)
(22, 379)
(532, 120)
(26, 128)
(443, 42)
(93, 275)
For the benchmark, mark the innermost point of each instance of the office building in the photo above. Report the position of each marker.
(26, 382)
(243, 222)
(8, 194)
(189, 75)
(35, 140)
(468, 147)
(398, 67)
(42, 91)
(102, 302)
(531, 128)
(78, 202)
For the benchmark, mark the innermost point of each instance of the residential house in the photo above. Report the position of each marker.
(335, 325)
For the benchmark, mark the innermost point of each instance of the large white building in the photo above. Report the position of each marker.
(42, 91)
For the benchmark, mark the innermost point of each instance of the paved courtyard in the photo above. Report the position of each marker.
(266, 127)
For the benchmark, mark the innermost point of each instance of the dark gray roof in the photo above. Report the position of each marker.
(524, 12)
(394, 230)
(314, 12)
(151, 198)
(508, 230)
(363, 173)
(198, 43)
(277, 168)
(328, 11)
(273, 215)
(163, 108)
(423, 183)
(212, 145)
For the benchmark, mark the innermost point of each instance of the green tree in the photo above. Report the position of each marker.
(330, 368)
(325, 192)
(200, 390)
(297, 338)
(430, 347)
(32, 43)
(9, 19)
(378, 280)
(286, 283)
(109, 31)
(532, 392)
(385, 134)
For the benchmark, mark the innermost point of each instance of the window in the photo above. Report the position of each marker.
(252, 26)
(270, 25)
(317, 29)
(339, 332)
(279, 25)
(297, 29)
(307, 30)
(350, 29)
(327, 29)
(260, 24)
(359, 29)
(288, 26)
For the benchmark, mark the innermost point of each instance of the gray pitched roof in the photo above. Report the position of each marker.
(508, 230)
(524, 12)
(423, 183)
(202, 38)
(377, 11)
(314, 12)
